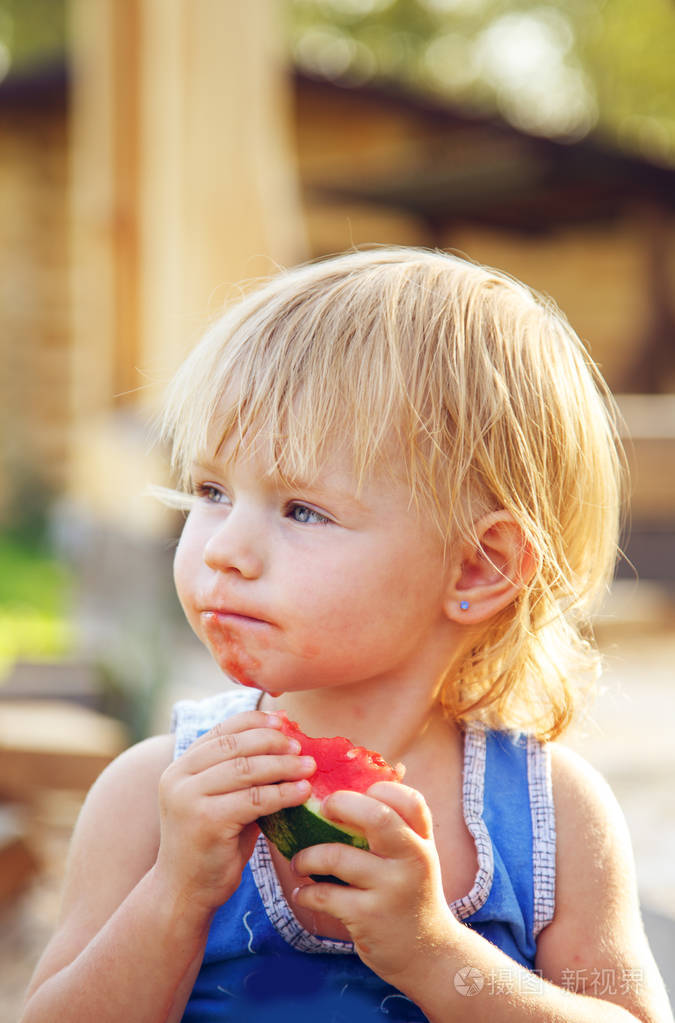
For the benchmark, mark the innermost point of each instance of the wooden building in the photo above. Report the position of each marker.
(35, 337)
(179, 155)
(582, 221)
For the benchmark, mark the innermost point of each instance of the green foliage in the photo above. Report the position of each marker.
(30, 578)
(33, 31)
(630, 53)
(34, 600)
(555, 66)
(617, 73)
(36, 624)
(34, 635)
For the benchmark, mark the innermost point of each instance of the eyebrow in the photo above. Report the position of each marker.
(205, 465)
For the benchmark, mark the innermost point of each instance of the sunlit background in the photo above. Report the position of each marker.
(154, 155)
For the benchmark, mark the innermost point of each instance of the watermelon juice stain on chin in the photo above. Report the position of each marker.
(228, 650)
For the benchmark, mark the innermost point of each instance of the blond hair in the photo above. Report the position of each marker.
(495, 404)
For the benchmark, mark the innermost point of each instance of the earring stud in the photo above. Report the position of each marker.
(464, 605)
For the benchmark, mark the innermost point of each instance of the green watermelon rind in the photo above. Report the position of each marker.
(297, 827)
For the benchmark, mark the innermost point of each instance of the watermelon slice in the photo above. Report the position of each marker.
(339, 765)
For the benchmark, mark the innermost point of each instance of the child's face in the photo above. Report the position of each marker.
(307, 586)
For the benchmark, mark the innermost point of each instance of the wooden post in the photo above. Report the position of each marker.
(183, 184)
(219, 202)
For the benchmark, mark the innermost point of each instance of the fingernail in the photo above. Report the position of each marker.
(273, 720)
(295, 745)
(309, 763)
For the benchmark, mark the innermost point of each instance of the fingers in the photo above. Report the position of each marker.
(242, 735)
(253, 766)
(408, 804)
(373, 883)
(225, 813)
(396, 822)
(390, 815)
(244, 772)
(246, 805)
(355, 867)
(243, 750)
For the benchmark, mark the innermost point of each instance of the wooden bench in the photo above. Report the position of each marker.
(54, 744)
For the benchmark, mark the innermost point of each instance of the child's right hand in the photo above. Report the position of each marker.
(210, 798)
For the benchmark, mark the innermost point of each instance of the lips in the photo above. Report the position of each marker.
(227, 616)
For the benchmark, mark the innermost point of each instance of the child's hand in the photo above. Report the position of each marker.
(395, 905)
(210, 798)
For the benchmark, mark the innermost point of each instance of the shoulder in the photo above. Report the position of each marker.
(129, 782)
(597, 924)
(594, 854)
(117, 832)
(127, 787)
(585, 804)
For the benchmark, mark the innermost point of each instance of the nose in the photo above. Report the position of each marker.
(236, 546)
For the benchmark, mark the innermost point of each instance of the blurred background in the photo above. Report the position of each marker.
(154, 154)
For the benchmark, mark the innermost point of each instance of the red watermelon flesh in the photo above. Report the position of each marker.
(340, 765)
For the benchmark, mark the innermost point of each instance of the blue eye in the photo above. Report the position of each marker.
(303, 513)
(209, 492)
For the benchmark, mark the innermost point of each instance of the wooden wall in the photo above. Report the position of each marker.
(183, 184)
(34, 304)
(187, 161)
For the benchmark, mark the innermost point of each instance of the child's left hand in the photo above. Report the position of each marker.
(395, 905)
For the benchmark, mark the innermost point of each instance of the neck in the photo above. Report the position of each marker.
(391, 720)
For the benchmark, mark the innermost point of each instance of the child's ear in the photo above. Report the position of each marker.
(490, 572)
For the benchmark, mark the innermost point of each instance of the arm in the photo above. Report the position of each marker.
(158, 847)
(597, 925)
(402, 927)
(117, 934)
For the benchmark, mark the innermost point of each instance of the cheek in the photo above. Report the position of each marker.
(397, 587)
(348, 591)
(186, 562)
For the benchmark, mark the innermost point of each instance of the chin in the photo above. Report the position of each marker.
(250, 684)
(246, 682)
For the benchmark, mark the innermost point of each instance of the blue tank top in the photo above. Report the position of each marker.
(261, 965)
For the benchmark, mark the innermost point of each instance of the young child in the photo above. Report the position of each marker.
(404, 483)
